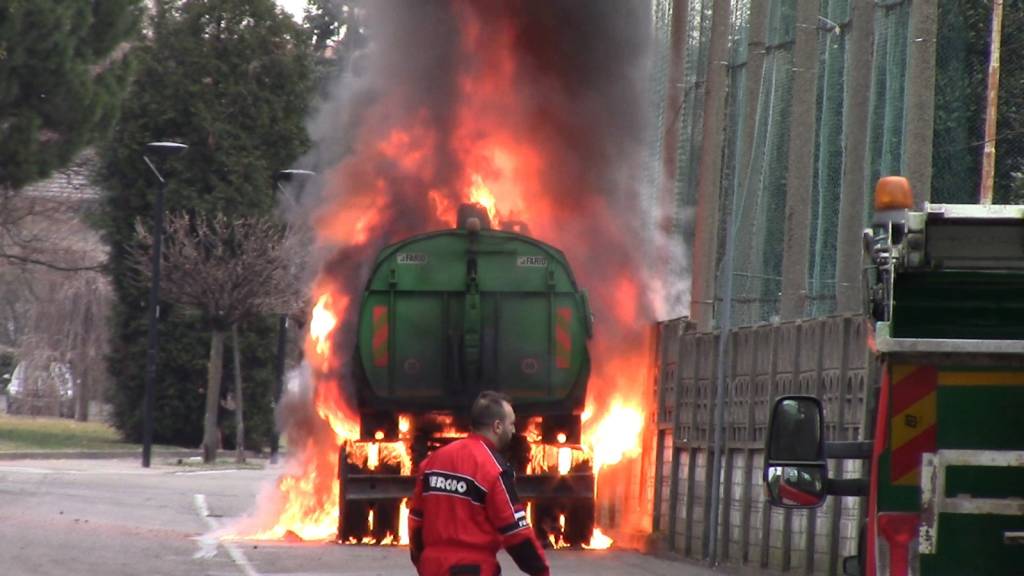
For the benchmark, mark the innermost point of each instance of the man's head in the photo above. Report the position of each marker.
(493, 418)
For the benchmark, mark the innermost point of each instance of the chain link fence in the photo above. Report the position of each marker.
(826, 357)
(820, 98)
(853, 124)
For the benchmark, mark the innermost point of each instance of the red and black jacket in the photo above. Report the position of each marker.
(465, 500)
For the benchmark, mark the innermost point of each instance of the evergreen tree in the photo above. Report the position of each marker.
(338, 37)
(62, 77)
(232, 79)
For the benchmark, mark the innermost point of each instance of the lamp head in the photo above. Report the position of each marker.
(165, 149)
(291, 175)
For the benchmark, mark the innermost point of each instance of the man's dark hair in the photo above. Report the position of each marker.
(488, 407)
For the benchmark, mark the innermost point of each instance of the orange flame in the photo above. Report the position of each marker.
(599, 541)
(617, 435)
(403, 522)
(322, 325)
(564, 460)
(505, 166)
(373, 455)
(480, 194)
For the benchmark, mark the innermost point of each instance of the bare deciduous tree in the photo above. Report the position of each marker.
(53, 299)
(226, 269)
(64, 348)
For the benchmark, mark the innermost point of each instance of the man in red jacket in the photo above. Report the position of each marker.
(465, 507)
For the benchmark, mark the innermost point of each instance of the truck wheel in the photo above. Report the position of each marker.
(544, 522)
(354, 523)
(385, 519)
(579, 523)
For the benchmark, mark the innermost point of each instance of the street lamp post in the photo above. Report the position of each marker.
(156, 150)
(280, 178)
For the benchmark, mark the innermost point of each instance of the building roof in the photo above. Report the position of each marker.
(73, 182)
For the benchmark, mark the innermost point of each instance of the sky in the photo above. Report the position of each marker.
(294, 7)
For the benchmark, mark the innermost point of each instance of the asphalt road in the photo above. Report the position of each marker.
(113, 518)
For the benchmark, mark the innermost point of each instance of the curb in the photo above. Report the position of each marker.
(94, 454)
(117, 454)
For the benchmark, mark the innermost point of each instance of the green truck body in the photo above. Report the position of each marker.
(943, 490)
(444, 316)
(950, 337)
(453, 312)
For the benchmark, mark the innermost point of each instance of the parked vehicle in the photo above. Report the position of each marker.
(444, 316)
(944, 493)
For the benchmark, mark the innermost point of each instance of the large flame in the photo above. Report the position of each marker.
(616, 435)
(481, 194)
(524, 157)
(321, 324)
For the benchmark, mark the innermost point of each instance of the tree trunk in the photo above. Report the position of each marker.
(82, 399)
(239, 416)
(211, 434)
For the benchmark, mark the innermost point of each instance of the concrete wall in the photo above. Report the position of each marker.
(827, 357)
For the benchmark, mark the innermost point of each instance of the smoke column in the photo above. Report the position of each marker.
(540, 104)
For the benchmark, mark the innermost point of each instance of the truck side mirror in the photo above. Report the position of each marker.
(795, 471)
(796, 486)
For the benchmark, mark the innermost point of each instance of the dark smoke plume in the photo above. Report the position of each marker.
(405, 128)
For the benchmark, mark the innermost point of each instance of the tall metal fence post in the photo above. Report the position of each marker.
(709, 175)
(800, 172)
(752, 126)
(856, 119)
(674, 103)
(920, 111)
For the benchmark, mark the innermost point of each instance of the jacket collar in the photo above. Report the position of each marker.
(487, 441)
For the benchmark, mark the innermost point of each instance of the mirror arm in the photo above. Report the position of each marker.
(846, 487)
(856, 450)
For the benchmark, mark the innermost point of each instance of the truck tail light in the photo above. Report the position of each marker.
(897, 544)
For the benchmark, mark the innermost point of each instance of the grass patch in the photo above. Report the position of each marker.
(24, 433)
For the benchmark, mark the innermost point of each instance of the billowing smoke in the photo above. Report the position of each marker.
(539, 103)
(543, 100)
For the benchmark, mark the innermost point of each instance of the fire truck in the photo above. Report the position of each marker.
(943, 491)
(444, 316)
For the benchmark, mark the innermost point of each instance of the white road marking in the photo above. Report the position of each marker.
(208, 542)
(73, 471)
(25, 470)
(201, 472)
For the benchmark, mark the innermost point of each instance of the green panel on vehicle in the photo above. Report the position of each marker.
(471, 311)
(419, 343)
(981, 417)
(985, 482)
(524, 362)
(974, 409)
(973, 544)
(958, 304)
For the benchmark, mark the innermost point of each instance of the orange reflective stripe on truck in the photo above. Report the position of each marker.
(981, 378)
(563, 338)
(380, 336)
(913, 424)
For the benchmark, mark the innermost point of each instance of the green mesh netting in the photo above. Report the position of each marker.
(962, 56)
(758, 116)
(828, 156)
